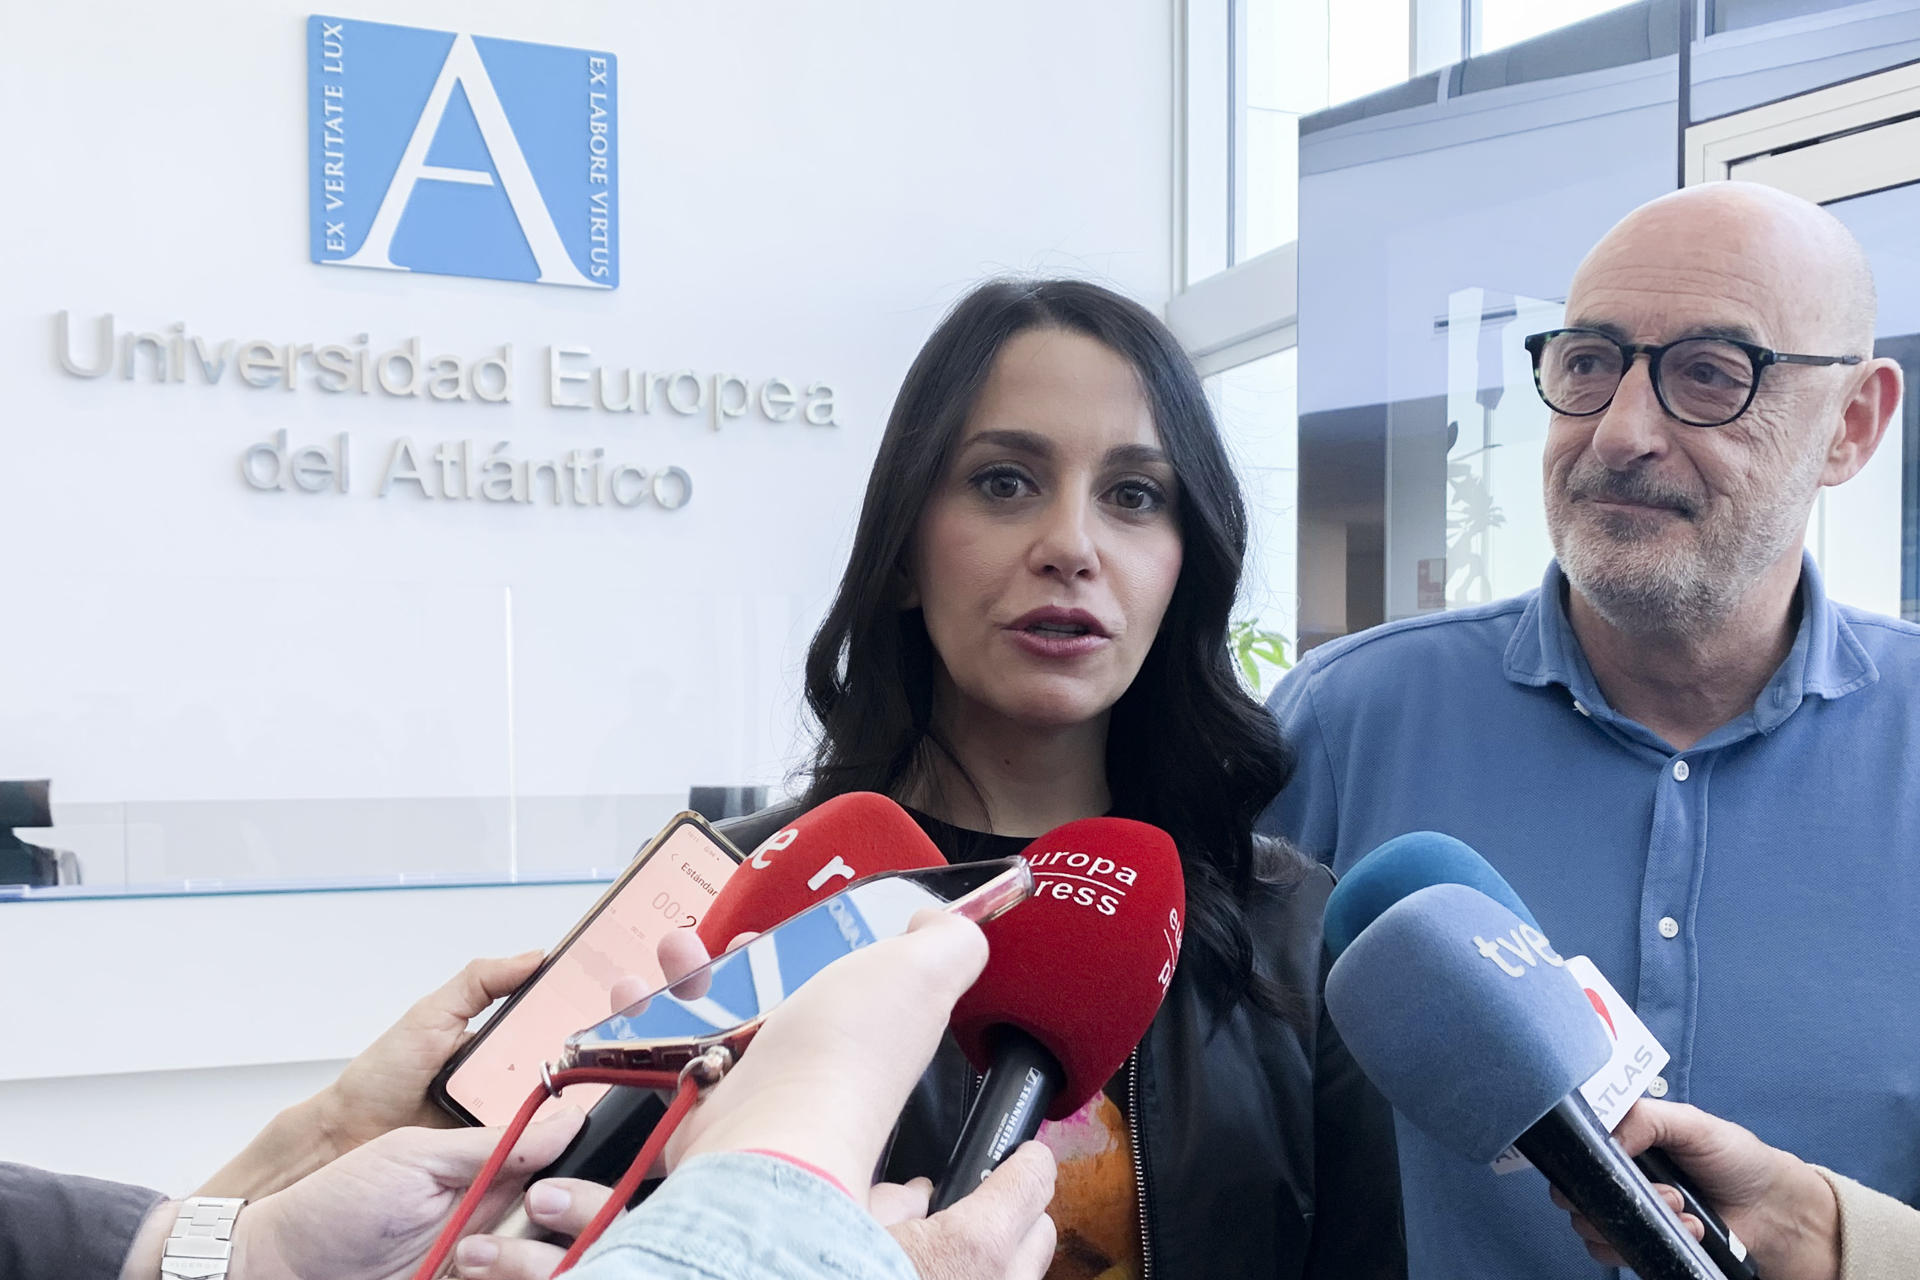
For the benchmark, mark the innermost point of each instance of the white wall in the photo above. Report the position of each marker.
(805, 189)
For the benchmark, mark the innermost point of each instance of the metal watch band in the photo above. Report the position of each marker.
(202, 1241)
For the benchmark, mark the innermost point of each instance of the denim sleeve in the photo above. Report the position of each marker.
(1307, 810)
(734, 1215)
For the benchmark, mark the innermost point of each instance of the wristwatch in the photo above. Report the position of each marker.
(202, 1241)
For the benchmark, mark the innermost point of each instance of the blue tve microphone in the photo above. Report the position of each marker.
(1465, 1017)
(1418, 859)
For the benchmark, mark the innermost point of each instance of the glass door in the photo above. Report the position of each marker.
(1853, 147)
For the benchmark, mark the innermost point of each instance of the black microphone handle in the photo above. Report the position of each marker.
(1720, 1242)
(1014, 1094)
(1577, 1154)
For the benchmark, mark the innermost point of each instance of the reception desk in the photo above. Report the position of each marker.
(145, 1037)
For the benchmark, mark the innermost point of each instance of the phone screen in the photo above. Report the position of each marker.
(671, 888)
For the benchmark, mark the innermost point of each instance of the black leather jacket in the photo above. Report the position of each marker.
(1262, 1149)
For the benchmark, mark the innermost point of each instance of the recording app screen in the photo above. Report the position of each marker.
(673, 888)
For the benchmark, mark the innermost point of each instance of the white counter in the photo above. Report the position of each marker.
(146, 1039)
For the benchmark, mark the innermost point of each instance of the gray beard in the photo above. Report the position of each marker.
(1673, 595)
(1686, 593)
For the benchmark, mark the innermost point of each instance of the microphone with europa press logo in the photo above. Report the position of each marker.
(1488, 1049)
(1072, 982)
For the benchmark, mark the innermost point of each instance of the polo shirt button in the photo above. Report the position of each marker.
(1669, 927)
(1658, 1088)
(1582, 708)
(1681, 769)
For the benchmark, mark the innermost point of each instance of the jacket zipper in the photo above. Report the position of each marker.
(1139, 1161)
(973, 1083)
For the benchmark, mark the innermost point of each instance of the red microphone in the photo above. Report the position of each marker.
(1073, 979)
(820, 853)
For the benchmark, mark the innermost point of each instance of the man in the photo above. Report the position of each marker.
(1693, 766)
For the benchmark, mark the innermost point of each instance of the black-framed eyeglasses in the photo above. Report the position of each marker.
(1703, 382)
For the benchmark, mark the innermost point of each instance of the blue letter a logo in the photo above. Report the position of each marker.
(434, 151)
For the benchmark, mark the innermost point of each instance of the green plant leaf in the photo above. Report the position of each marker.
(1254, 649)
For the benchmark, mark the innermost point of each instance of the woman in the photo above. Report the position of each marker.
(1033, 629)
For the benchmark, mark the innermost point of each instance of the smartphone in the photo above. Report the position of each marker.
(669, 886)
(725, 1001)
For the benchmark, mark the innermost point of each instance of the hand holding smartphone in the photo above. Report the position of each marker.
(876, 1007)
(724, 1001)
(668, 886)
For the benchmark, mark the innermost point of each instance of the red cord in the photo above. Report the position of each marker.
(630, 1182)
(683, 1101)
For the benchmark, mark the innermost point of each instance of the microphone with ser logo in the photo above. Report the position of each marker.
(817, 855)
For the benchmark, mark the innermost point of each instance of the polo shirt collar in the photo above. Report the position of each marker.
(1826, 661)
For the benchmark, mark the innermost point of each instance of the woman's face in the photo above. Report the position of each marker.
(1048, 551)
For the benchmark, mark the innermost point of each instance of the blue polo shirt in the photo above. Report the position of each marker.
(1756, 896)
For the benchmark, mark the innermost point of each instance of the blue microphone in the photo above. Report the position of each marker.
(1418, 859)
(1464, 1016)
(1400, 866)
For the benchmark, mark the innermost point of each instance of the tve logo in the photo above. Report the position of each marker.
(1525, 944)
(461, 155)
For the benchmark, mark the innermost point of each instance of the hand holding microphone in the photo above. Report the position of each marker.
(1419, 859)
(1075, 978)
(1005, 1233)
(1079, 970)
(1785, 1211)
(1466, 1019)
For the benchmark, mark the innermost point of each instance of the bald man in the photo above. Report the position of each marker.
(1695, 768)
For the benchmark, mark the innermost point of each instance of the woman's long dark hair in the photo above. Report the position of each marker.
(1188, 749)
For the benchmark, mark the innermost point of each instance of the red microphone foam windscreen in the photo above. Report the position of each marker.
(816, 856)
(1083, 964)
